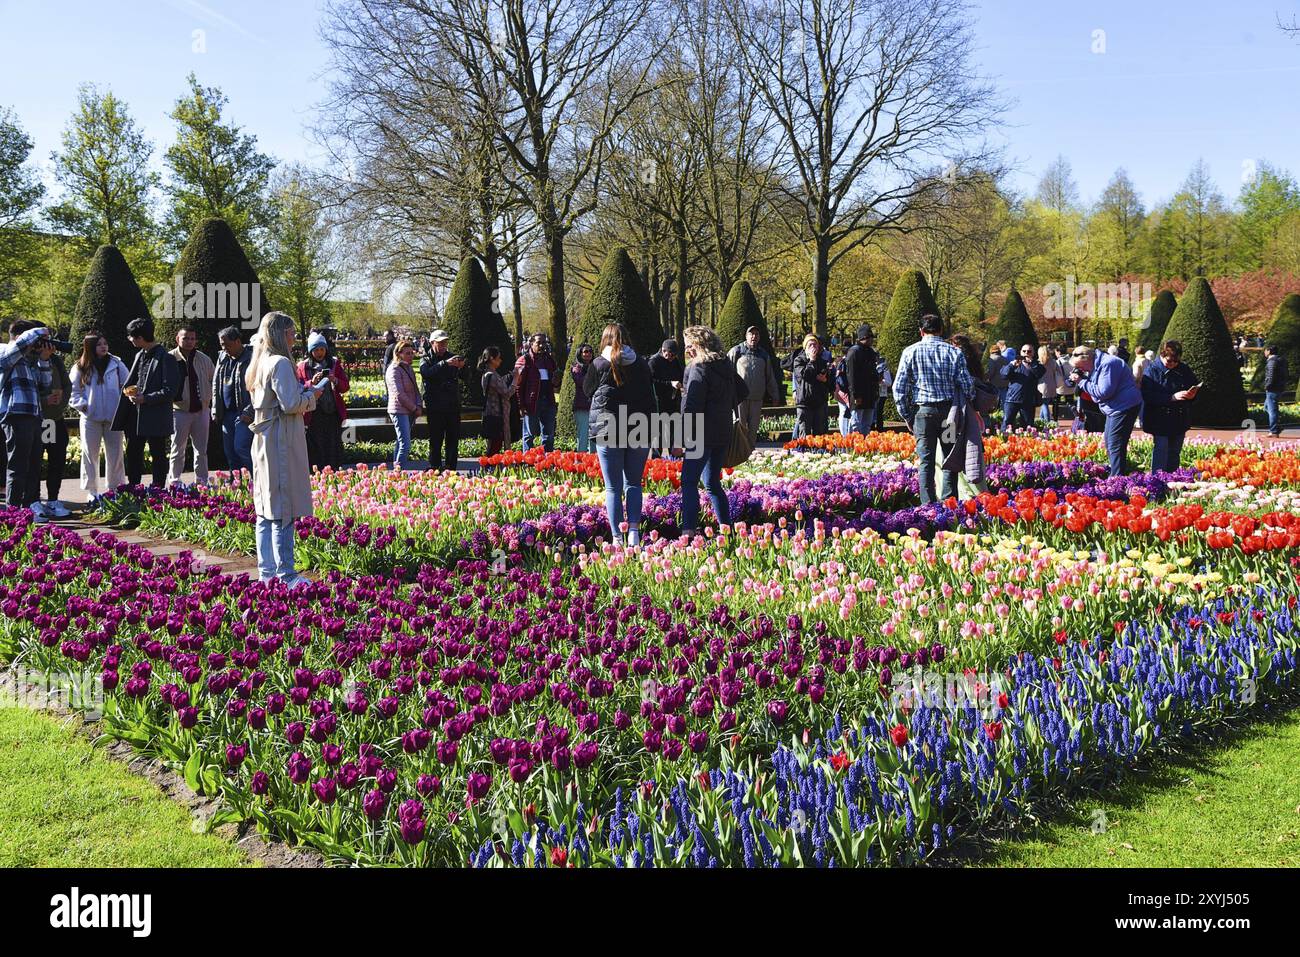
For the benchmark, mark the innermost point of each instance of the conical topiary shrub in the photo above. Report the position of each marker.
(1199, 325)
(739, 312)
(1151, 336)
(1284, 333)
(902, 326)
(619, 295)
(1013, 323)
(110, 298)
(473, 326)
(214, 286)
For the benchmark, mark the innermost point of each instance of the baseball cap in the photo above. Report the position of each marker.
(439, 335)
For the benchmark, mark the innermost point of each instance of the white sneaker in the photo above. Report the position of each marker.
(57, 509)
(38, 512)
(296, 581)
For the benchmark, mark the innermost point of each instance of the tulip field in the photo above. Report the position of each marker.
(843, 677)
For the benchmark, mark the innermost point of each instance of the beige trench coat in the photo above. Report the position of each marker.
(281, 474)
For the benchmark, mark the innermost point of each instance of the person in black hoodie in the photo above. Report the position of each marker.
(666, 368)
(813, 379)
(862, 381)
(1275, 376)
(441, 371)
(711, 390)
(622, 403)
(152, 386)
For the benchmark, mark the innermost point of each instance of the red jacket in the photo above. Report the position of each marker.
(528, 380)
(340, 386)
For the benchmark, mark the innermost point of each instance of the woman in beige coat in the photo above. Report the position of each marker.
(281, 474)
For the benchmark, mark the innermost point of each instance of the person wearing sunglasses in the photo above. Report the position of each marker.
(1023, 376)
(1108, 381)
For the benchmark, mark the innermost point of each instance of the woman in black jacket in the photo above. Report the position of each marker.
(622, 403)
(813, 380)
(711, 391)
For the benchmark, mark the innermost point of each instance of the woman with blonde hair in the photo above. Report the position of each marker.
(621, 388)
(711, 391)
(281, 473)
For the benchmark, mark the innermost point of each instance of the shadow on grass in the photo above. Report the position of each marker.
(1124, 790)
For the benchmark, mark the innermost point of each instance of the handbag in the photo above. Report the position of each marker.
(986, 398)
(741, 446)
(492, 426)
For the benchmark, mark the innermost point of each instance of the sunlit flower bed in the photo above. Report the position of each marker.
(512, 690)
(1253, 465)
(539, 718)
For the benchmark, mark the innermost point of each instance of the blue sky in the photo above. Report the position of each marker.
(1177, 81)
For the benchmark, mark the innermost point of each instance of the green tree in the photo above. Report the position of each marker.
(1284, 333)
(110, 298)
(474, 322)
(20, 196)
(219, 288)
(300, 266)
(1199, 325)
(216, 170)
(1152, 335)
(1013, 323)
(619, 295)
(105, 175)
(902, 325)
(1266, 201)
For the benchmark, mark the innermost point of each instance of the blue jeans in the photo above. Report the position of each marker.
(582, 417)
(402, 447)
(237, 441)
(861, 420)
(1017, 415)
(846, 420)
(623, 470)
(540, 424)
(1166, 452)
(1274, 418)
(708, 466)
(274, 548)
(1119, 427)
(927, 426)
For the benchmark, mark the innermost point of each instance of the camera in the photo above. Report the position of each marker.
(59, 345)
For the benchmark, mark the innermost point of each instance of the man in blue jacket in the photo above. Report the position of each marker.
(1108, 382)
(1022, 375)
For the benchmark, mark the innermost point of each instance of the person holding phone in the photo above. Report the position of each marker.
(1108, 381)
(441, 373)
(1168, 388)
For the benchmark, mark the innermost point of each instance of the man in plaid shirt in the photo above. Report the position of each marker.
(24, 378)
(932, 375)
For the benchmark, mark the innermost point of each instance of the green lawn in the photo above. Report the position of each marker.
(1234, 803)
(64, 804)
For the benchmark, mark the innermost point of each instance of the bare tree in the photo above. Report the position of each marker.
(568, 71)
(731, 130)
(415, 164)
(867, 94)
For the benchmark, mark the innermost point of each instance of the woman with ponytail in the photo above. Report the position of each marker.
(622, 403)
